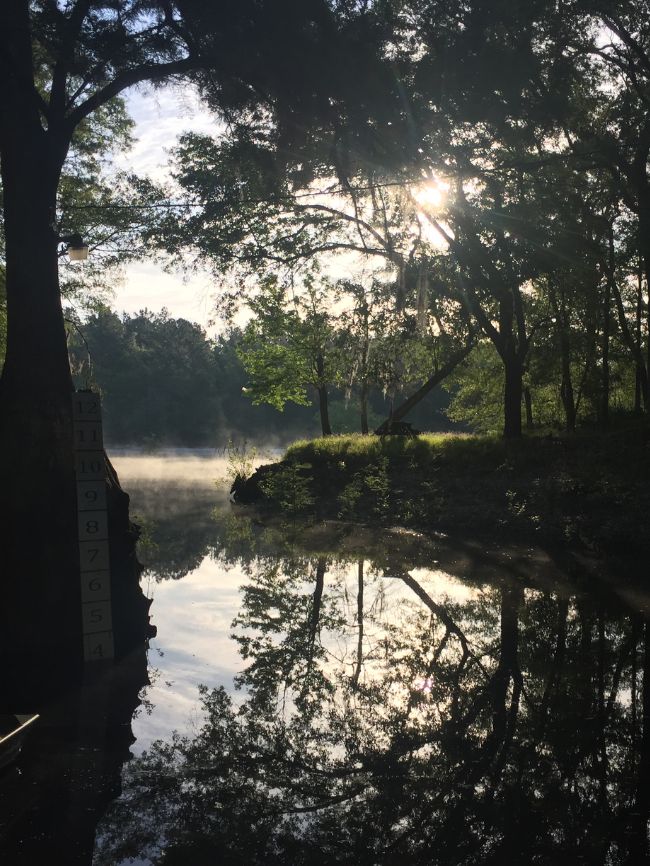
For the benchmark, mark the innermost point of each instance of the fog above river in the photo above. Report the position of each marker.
(183, 466)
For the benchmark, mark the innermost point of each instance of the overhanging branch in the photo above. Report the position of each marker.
(126, 79)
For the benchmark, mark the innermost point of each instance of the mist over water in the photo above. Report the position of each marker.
(180, 466)
(181, 483)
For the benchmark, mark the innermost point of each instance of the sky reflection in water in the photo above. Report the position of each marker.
(390, 712)
(194, 614)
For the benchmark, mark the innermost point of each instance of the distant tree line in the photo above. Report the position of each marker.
(164, 382)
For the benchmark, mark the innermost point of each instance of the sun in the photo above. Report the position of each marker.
(431, 194)
(430, 198)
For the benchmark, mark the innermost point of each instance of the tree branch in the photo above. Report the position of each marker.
(395, 258)
(126, 79)
(70, 28)
(626, 37)
(439, 376)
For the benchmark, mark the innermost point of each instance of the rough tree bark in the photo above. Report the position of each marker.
(41, 584)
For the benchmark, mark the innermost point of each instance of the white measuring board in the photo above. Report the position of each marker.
(92, 516)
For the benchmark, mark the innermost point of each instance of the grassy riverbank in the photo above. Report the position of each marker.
(588, 489)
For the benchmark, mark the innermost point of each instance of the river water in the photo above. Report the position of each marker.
(337, 694)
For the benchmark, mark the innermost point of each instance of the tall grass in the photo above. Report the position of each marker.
(464, 451)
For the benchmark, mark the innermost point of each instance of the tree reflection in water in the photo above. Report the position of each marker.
(383, 722)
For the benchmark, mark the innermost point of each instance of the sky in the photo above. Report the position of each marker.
(160, 117)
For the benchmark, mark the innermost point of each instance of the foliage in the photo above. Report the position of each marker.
(94, 200)
(531, 181)
(543, 488)
(241, 459)
(288, 344)
(164, 382)
(344, 415)
(458, 197)
(368, 492)
(157, 376)
(261, 422)
(476, 391)
(289, 488)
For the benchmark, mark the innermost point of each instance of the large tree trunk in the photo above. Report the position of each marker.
(40, 614)
(512, 394)
(36, 387)
(41, 593)
(31, 164)
(326, 428)
(322, 398)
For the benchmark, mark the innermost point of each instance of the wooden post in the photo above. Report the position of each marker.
(92, 517)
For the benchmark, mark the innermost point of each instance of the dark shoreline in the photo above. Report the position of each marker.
(588, 493)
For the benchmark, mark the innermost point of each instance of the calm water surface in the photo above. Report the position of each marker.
(347, 696)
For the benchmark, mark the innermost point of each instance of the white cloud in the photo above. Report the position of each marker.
(194, 617)
(161, 116)
(146, 284)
